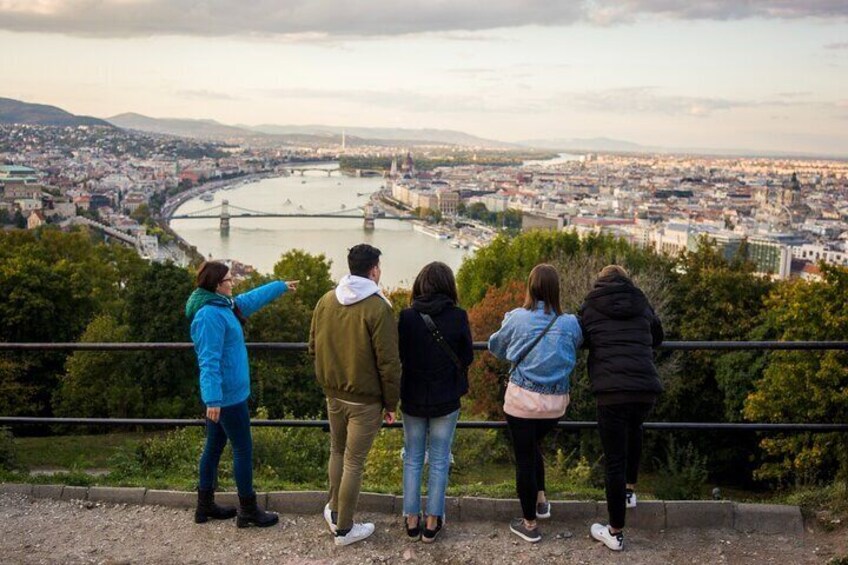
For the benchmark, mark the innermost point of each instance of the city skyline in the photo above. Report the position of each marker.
(767, 76)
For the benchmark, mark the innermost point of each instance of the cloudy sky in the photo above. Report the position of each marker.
(757, 74)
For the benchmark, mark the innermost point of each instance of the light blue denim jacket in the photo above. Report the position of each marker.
(547, 368)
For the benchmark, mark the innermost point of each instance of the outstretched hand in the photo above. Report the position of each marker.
(292, 285)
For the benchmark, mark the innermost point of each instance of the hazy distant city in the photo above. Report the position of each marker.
(124, 180)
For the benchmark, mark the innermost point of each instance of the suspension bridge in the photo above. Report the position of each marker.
(225, 212)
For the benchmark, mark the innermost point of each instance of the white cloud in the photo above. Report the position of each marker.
(364, 18)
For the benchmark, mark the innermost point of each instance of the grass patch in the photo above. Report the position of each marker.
(75, 452)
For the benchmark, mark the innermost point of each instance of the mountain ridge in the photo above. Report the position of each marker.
(18, 112)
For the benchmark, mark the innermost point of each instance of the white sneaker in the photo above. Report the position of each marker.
(630, 499)
(613, 541)
(357, 533)
(328, 517)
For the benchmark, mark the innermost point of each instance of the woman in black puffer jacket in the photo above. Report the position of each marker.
(434, 378)
(620, 328)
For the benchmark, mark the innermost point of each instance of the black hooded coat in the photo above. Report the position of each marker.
(620, 329)
(431, 384)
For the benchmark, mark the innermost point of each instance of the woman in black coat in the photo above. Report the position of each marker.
(620, 328)
(435, 351)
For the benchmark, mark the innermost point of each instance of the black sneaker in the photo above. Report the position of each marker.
(429, 536)
(518, 528)
(414, 534)
(543, 510)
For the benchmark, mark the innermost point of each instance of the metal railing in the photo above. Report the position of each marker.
(466, 424)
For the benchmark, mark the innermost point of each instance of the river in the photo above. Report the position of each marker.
(261, 241)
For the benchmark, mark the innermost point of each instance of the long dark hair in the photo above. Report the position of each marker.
(435, 278)
(210, 275)
(543, 284)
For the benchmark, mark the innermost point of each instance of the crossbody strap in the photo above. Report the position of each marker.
(440, 339)
(532, 345)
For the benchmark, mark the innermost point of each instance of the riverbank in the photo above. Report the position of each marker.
(176, 201)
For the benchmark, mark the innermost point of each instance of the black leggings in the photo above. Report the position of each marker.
(527, 437)
(620, 426)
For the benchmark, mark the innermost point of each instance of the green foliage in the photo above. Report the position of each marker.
(384, 467)
(510, 219)
(573, 469)
(682, 474)
(313, 272)
(284, 383)
(801, 386)
(8, 451)
(51, 285)
(507, 259)
(713, 299)
(293, 455)
(155, 301)
(98, 384)
(18, 395)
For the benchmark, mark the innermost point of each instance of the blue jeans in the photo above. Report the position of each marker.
(234, 424)
(415, 431)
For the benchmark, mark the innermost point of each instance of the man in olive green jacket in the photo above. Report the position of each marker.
(354, 341)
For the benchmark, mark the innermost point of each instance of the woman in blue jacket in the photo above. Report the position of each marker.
(541, 343)
(216, 330)
(434, 378)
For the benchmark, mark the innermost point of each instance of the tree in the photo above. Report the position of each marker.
(100, 384)
(803, 386)
(155, 312)
(714, 299)
(487, 375)
(284, 382)
(313, 271)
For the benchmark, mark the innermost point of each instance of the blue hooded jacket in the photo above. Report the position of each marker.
(219, 341)
(547, 368)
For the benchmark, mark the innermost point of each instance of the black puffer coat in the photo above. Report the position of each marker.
(431, 384)
(620, 329)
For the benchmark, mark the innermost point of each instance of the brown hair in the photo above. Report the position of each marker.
(543, 284)
(210, 275)
(435, 278)
(614, 271)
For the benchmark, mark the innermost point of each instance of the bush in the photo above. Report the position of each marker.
(296, 455)
(384, 467)
(573, 470)
(682, 475)
(8, 452)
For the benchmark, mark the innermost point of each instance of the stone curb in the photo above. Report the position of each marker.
(649, 514)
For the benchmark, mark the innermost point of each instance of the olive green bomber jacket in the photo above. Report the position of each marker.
(355, 348)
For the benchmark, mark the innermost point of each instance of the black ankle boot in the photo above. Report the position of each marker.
(208, 510)
(250, 514)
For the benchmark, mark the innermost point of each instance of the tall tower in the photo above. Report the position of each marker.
(225, 217)
(343, 141)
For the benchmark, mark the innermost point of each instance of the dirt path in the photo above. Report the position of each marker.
(49, 531)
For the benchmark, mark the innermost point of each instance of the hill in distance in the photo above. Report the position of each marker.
(17, 112)
(386, 135)
(301, 135)
(205, 129)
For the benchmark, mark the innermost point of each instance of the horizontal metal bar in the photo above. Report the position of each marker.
(465, 424)
(480, 345)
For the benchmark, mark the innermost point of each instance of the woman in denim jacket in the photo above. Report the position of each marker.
(537, 392)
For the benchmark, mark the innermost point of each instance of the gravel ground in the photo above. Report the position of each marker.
(50, 531)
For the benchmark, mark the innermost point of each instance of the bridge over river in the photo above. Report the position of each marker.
(225, 212)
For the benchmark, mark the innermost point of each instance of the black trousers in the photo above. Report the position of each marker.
(527, 435)
(620, 426)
